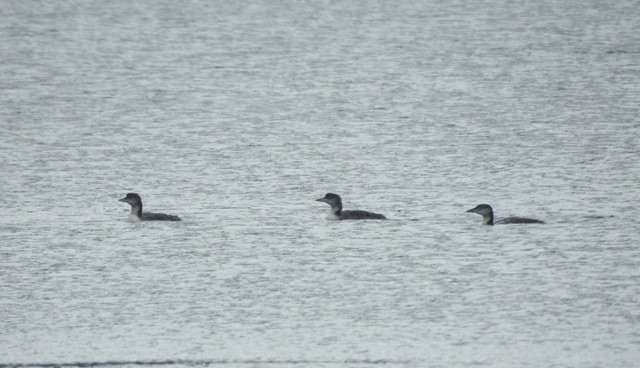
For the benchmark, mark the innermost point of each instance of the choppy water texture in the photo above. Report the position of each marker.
(237, 115)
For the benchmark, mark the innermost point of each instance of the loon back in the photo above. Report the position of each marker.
(152, 216)
(360, 215)
(518, 220)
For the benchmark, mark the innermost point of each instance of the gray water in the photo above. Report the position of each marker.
(237, 115)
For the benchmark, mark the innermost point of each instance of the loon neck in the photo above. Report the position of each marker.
(487, 218)
(336, 209)
(136, 210)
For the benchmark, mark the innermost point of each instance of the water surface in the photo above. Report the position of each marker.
(237, 116)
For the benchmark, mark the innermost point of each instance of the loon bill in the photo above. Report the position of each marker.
(136, 211)
(337, 213)
(487, 217)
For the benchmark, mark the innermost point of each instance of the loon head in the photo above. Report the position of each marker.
(332, 200)
(132, 198)
(485, 211)
(482, 209)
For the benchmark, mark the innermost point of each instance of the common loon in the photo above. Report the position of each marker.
(136, 211)
(337, 213)
(487, 217)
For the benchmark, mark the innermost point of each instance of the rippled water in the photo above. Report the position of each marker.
(237, 115)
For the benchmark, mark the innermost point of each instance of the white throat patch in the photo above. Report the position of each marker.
(332, 216)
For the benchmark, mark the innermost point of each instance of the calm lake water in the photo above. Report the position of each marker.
(237, 115)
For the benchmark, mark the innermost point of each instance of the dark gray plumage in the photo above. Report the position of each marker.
(487, 217)
(337, 213)
(135, 201)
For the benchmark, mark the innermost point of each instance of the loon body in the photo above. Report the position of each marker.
(136, 211)
(487, 217)
(337, 213)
